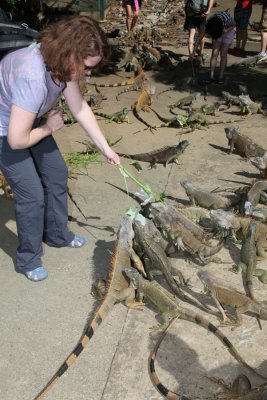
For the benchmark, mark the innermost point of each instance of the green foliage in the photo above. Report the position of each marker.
(79, 159)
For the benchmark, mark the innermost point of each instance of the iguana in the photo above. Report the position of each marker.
(240, 389)
(170, 308)
(136, 87)
(205, 199)
(117, 291)
(246, 62)
(248, 259)
(118, 117)
(242, 144)
(194, 120)
(158, 262)
(225, 295)
(255, 194)
(143, 103)
(239, 226)
(261, 164)
(138, 77)
(182, 234)
(249, 107)
(165, 155)
(185, 101)
(5, 186)
(230, 100)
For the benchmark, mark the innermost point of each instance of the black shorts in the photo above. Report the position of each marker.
(194, 22)
(131, 3)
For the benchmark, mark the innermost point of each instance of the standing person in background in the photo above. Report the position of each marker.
(31, 81)
(242, 13)
(221, 28)
(262, 56)
(196, 12)
(132, 8)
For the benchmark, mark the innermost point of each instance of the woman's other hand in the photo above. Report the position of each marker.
(55, 120)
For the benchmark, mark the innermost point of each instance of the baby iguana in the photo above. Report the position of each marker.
(242, 144)
(226, 295)
(205, 199)
(165, 155)
(117, 290)
(5, 186)
(118, 117)
(239, 227)
(170, 308)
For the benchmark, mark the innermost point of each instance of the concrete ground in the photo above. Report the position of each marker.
(42, 322)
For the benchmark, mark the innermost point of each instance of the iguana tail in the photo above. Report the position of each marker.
(212, 250)
(90, 328)
(199, 320)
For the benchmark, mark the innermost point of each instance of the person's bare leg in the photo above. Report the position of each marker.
(238, 38)
(201, 46)
(223, 62)
(192, 32)
(263, 42)
(129, 17)
(214, 55)
(243, 38)
(134, 20)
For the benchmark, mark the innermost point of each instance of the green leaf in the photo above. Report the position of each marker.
(137, 166)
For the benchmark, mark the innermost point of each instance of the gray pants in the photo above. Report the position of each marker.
(38, 179)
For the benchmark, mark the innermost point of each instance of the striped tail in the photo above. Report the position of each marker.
(197, 319)
(100, 314)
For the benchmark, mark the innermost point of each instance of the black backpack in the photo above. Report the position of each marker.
(14, 36)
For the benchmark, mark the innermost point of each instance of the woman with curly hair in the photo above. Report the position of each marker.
(31, 81)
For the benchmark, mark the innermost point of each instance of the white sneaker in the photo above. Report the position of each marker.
(261, 57)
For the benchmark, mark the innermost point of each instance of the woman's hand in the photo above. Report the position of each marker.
(55, 120)
(111, 156)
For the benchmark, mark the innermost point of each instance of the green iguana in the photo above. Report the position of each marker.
(170, 308)
(225, 295)
(205, 199)
(182, 234)
(249, 107)
(116, 291)
(185, 101)
(158, 262)
(242, 144)
(165, 155)
(118, 117)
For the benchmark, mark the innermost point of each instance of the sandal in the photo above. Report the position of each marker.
(37, 274)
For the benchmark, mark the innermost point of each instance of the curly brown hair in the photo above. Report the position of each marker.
(72, 38)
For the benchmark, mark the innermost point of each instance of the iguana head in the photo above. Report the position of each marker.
(125, 110)
(182, 145)
(133, 276)
(229, 132)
